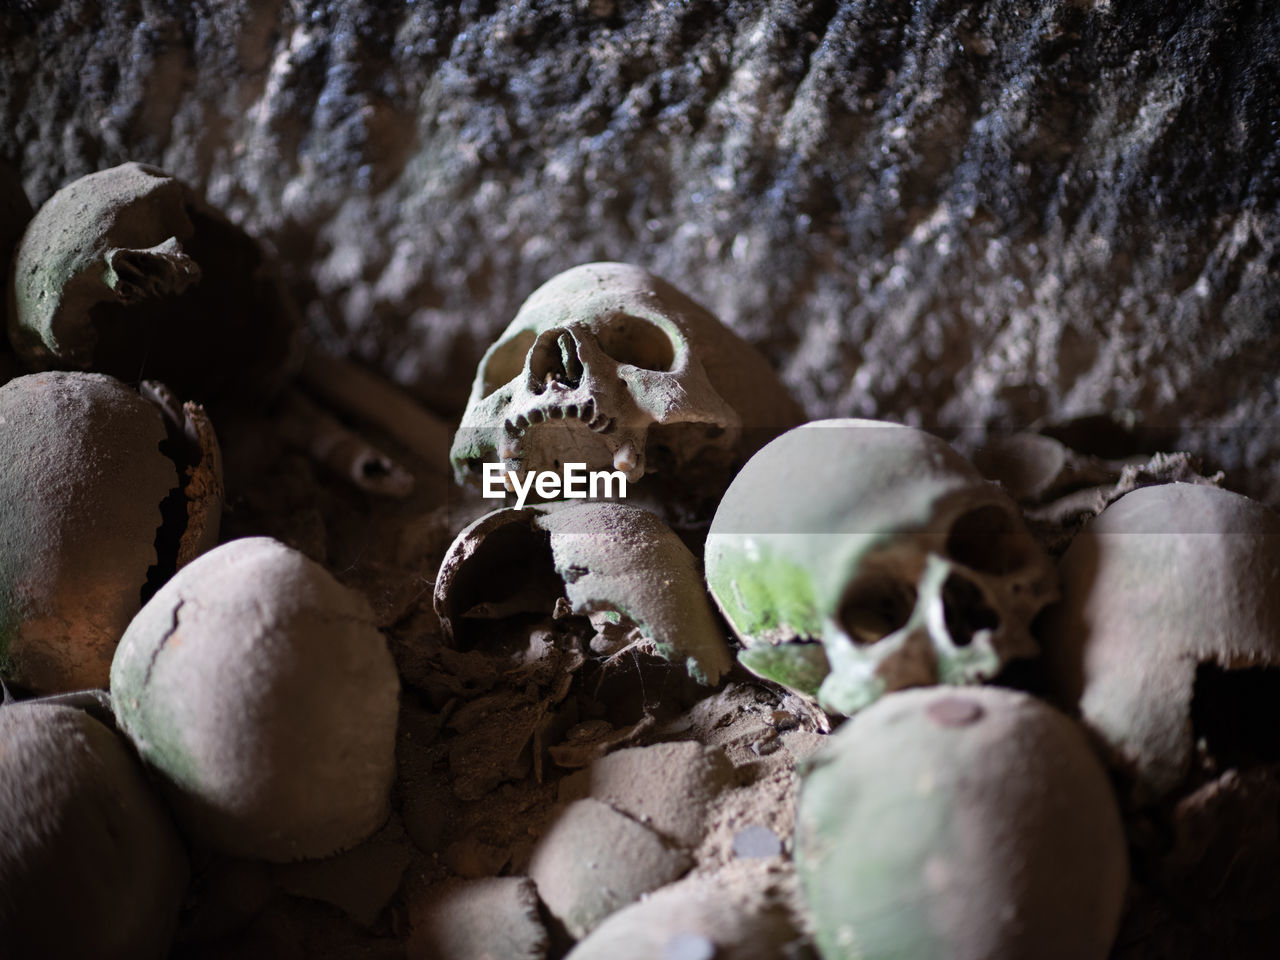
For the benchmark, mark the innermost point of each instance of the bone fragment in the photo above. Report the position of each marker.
(202, 480)
(307, 428)
(365, 396)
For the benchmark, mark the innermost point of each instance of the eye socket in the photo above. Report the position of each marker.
(507, 361)
(987, 539)
(637, 342)
(875, 606)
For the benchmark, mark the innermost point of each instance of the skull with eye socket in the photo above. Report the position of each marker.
(610, 366)
(854, 558)
(128, 272)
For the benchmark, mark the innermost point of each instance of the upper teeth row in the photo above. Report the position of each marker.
(554, 411)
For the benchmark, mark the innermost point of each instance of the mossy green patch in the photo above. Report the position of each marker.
(873, 817)
(765, 594)
(797, 666)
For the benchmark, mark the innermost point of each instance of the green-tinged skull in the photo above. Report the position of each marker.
(960, 824)
(882, 544)
(128, 272)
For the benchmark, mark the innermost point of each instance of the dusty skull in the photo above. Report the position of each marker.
(960, 823)
(106, 493)
(1167, 638)
(610, 366)
(127, 272)
(82, 835)
(260, 691)
(884, 544)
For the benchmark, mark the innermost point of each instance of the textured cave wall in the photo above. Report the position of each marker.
(960, 214)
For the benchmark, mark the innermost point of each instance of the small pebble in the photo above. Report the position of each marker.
(767, 744)
(755, 841)
(689, 946)
(954, 712)
(784, 719)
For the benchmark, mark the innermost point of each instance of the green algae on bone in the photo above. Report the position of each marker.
(765, 595)
(884, 544)
(798, 666)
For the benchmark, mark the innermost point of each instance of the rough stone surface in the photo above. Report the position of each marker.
(493, 917)
(15, 212)
(666, 786)
(961, 214)
(594, 860)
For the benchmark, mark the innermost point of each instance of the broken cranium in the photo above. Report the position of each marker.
(1168, 633)
(605, 560)
(884, 544)
(610, 366)
(127, 272)
(106, 493)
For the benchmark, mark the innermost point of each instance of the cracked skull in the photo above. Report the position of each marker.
(127, 272)
(106, 494)
(854, 558)
(610, 366)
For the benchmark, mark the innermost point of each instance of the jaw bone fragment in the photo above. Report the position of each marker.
(608, 558)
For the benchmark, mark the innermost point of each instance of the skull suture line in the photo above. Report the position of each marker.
(886, 545)
(610, 366)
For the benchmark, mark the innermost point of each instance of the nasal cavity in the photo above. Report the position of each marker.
(966, 610)
(554, 359)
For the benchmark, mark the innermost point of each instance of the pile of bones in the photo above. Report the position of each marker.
(829, 689)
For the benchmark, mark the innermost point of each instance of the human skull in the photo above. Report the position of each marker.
(82, 836)
(106, 493)
(885, 545)
(260, 691)
(960, 823)
(127, 272)
(1168, 590)
(608, 365)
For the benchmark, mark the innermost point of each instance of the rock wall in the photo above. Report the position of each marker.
(965, 215)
